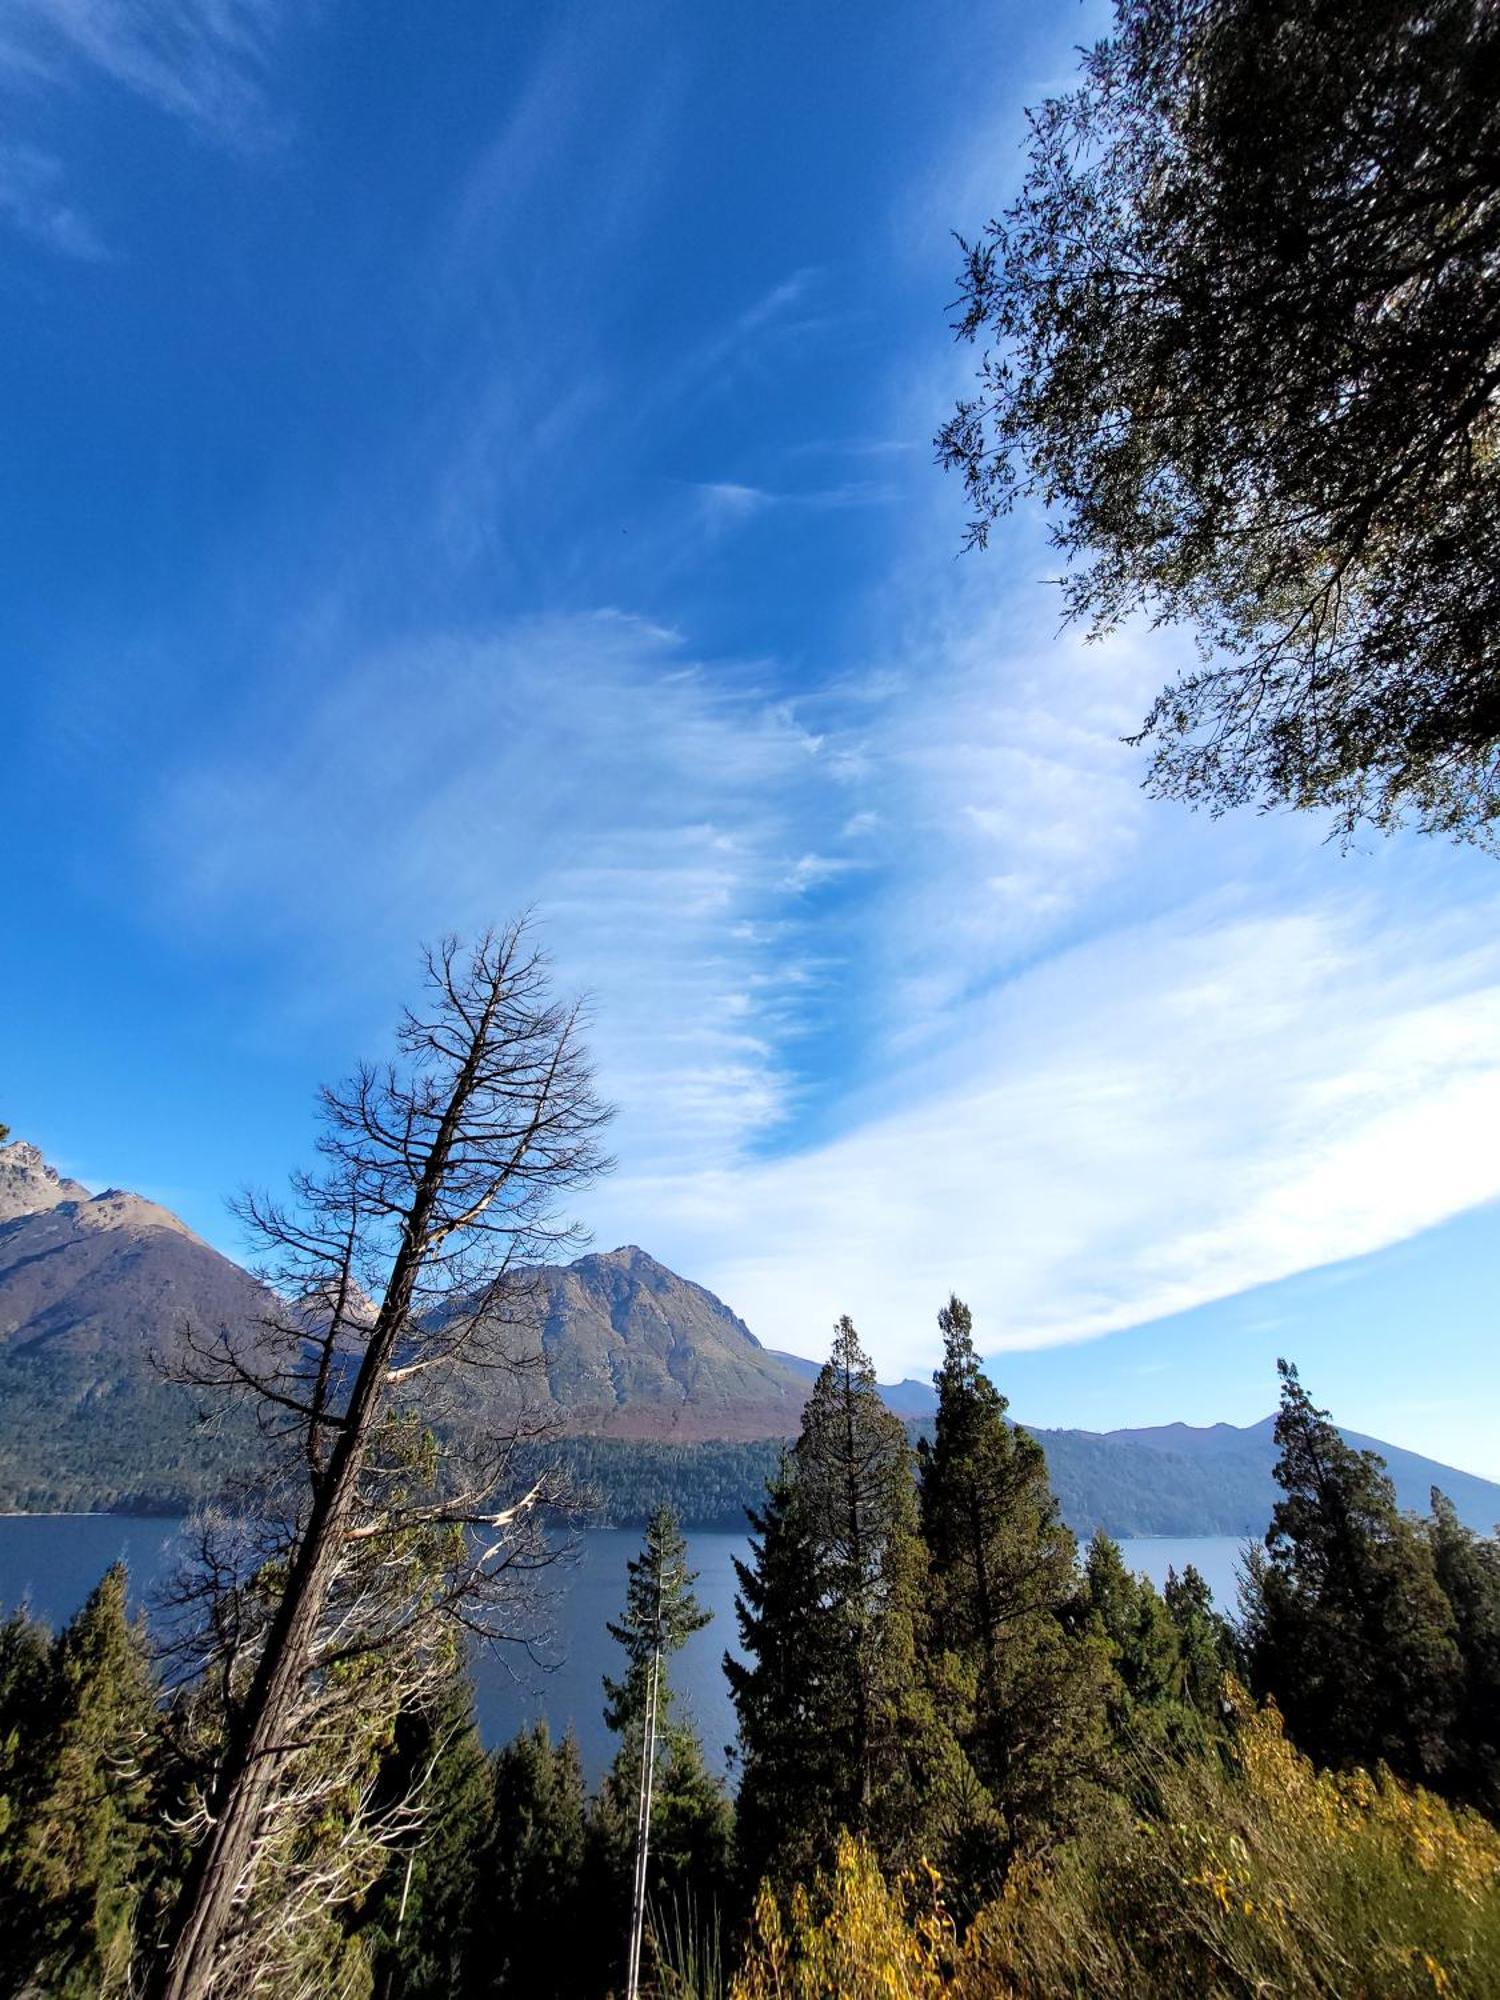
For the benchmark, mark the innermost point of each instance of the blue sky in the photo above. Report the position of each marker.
(465, 457)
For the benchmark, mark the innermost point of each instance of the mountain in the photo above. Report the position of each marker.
(92, 1284)
(1237, 1465)
(633, 1351)
(660, 1388)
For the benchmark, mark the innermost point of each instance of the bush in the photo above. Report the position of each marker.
(1254, 1874)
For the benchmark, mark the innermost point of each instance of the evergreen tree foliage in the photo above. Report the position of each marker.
(533, 1933)
(1207, 1649)
(26, 1724)
(82, 1859)
(1468, 1571)
(784, 1690)
(837, 1722)
(1346, 1622)
(691, 1818)
(1029, 1691)
(1127, 1611)
(421, 1922)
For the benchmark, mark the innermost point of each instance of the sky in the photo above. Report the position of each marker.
(466, 458)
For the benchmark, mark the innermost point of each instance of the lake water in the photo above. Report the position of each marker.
(53, 1561)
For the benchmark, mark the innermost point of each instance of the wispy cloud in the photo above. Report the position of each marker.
(656, 810)
(32, 201)
(1156, 1120)
(201, 60)
(727, 502)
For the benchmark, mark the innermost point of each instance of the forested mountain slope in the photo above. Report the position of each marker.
(662, 1391)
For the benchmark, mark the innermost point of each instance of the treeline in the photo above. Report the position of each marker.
(968, 1760)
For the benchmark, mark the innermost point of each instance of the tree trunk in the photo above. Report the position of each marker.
(224, 1862)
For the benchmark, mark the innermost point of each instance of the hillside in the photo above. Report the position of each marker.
(659, 1387)
(92, 1285)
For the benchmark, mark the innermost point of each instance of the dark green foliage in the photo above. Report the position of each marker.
(1243, 324)
(1026, 1692)
(1126, 1611)
(784, 1690)
(1346, 1622)
(533, 1933)
(419, 1928)
(1468, 1572)
(27, 1700)
(661, 1614)
(78, 1733)
(691, 1818)
(837, 1722)
(1207, 1648)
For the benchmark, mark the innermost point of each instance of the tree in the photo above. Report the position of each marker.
(1206, 1646)
(1467, 1567)
(26, 1689)
(393, 1273)
(1345, 1621)
(83, 1858)
(784, 1690)
(437, 1887)
(534, 1934)
(1003, 1568)
(1243, 325)
(837, 1724)
(690, 1820)
(1126, 1611)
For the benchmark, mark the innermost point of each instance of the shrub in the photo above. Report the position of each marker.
(1254, 1874)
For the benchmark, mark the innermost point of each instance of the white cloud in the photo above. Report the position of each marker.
(200, 60)
(1163, 1117)
(32, 201)
(655, 811)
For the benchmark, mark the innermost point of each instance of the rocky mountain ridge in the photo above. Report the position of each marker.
(634, 1357)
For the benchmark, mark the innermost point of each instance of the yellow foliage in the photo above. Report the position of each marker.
(854, 1935)
(1258, 1875)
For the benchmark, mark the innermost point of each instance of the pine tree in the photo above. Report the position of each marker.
(784, 1690)
(27, 1721)
(1126, 1611)
(1207, 1649)
(1029, 1691)
(1346, 1623)
(832, 1614)
(85, 1854)
(691, 1819)
(1468, 1571)
(534, 1934)
(420, 1926)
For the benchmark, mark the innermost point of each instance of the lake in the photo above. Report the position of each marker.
(52, 1561)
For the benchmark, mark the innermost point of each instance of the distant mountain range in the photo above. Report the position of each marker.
(654, 1378)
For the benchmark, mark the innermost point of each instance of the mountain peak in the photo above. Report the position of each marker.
(30, 1184)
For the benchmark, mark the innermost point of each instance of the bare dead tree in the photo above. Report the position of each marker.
(398, 1279)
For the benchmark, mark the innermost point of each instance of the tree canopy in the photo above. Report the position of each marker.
(1242, 333)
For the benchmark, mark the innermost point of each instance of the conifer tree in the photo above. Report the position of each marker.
(690, 1820)
(1126, 1611)
(534, 1936)
(420, 1927)
(85, 1852)
(27, 1719)
(1206, 1645)
(832, 1614)
(1030, 1690)
(784, 1690)
(1346, 1623)
(1468, 1572)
